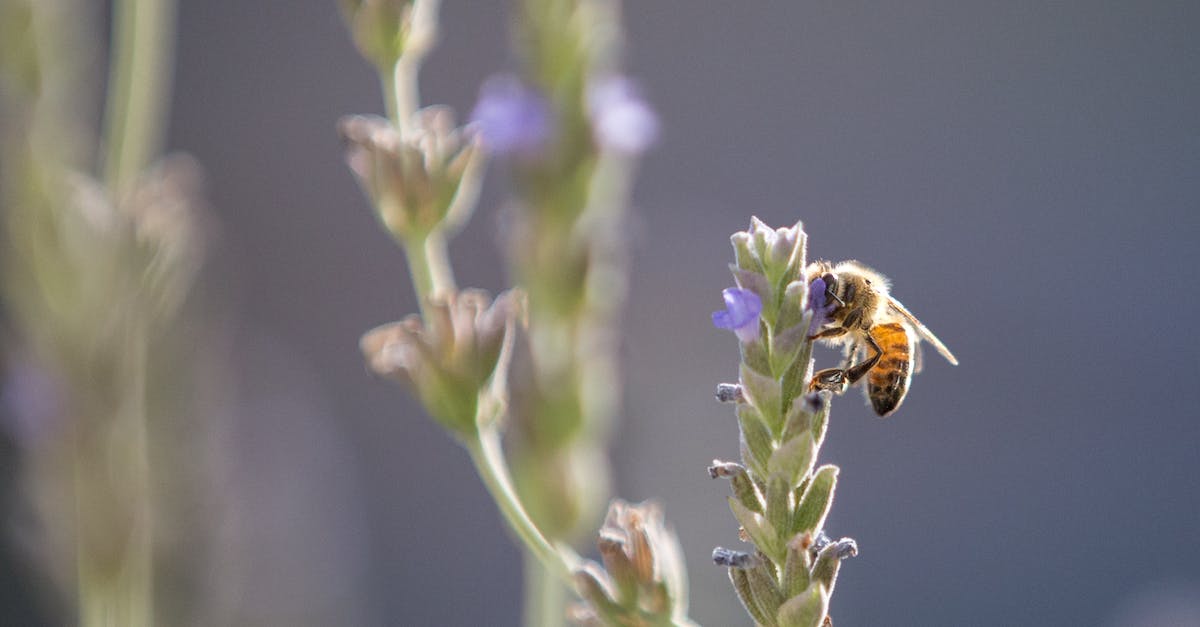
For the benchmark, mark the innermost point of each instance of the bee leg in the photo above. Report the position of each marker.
(828, 333)
(832, 379)
(857, 372)
(851, 353)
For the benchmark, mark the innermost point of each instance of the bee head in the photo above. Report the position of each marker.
(832, 284)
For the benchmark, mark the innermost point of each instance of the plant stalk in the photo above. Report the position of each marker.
(138, 83)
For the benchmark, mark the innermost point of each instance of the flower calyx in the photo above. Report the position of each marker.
(641, 580)
(455, 360)
(424, 179)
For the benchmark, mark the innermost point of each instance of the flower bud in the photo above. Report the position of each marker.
(427, 179)
(643, 573)
(450, 358)
(383, 30)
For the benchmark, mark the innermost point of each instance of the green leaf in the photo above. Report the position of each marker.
(742, 252)
(814, 505)
(786, 346)
(793, 459)
(796, 566)
(743, 490)
(760, 531)
(755, 354)
(798, 420)
(741, 583)
(794, 382)
(791, 308)
(779, 510)
(821, 418)
(765, 590)
(806, 610)
(756, 440)
(764, 393)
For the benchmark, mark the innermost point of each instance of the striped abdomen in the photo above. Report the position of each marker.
(888, 381)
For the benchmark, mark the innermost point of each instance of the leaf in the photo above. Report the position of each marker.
(760, 531)
(741, 583)
(743, 490)
(779, 510)
(806, 610)
(796, 566)
(756, 440)
(814, 505)
(793, 459)
(765, 591)
(764, 393)
(786, 346)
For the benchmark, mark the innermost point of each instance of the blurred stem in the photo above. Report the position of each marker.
(400, 85)
(429, 265)
(119, 594)
(139, 72)
(545, 602)
(558, 562)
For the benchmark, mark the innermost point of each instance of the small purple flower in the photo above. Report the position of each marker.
(512, 117)
(29, 402)
(740, 314)
(621, 119)
(818, 304)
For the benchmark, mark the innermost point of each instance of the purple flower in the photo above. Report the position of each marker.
(512, 117)
(621, 119)
(818, 304)
(30, 402)
(741, 313)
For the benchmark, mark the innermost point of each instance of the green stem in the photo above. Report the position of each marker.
(400, 86)
(391, 100)
(139, 73)
(486, 453)
(419, 267)
(118, 593)
(545, 602)
(437, 259)
(429, 265)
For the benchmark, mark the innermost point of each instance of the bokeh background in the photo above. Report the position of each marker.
(1027, 173)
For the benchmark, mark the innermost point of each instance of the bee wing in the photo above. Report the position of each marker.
(921, 330)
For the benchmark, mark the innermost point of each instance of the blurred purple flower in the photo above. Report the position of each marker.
(740, 314)
(30, 402)
(621, 119)
(512, 117)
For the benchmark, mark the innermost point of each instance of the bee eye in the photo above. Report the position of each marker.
(831, 287)
(831, 282)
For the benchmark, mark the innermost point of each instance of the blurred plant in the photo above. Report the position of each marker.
(779, 498)
(537, 363)
(97, 274)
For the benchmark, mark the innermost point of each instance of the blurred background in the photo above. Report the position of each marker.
(1028, 175)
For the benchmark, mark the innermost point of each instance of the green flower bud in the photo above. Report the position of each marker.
(383, 30)
(425, 180)
(451, 358)
(642, 580)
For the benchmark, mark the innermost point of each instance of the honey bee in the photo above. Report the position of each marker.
(875, 329)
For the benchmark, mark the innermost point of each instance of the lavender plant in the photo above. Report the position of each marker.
(536, 363)
(780, 498)
(100, 256)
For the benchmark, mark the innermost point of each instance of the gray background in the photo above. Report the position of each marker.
(1027, 173)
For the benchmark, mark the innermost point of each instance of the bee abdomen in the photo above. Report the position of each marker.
(888, 381)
